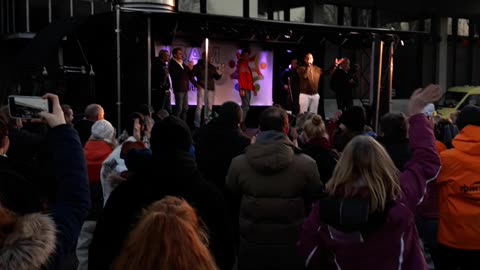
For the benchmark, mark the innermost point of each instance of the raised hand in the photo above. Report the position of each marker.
(421, 97)
(57, 117)
(339, 61)
(336, 115)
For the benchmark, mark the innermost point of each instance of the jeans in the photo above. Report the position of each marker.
(83, 243)
(246, 104)
(181, 105)
(200, 100)
(427, 230)
(309, 103)
(166, 104)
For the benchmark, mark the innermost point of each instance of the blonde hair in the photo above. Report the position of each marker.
(315, 127)
(168, 236)
(365, 164)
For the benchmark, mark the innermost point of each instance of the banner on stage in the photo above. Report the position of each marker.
(226, 88)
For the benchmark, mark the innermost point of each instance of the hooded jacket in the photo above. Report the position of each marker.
(273, 179)
(388, 240)
(459, 192)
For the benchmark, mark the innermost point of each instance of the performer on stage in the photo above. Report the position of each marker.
(245, 80)
(161, 82)
(181, 77)
(309, 75)
(290, 88)
(198, 72)
(343, 84)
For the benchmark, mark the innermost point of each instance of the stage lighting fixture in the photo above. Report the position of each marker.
(44, 72)
(91, 73)
(288, 35)
(402, 43)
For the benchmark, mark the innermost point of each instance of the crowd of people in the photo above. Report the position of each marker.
(311, 193)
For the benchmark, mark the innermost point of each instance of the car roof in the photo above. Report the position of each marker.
(465, 89)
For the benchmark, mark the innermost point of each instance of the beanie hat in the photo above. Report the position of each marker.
(469, 115)
(429, 110)
(102, 130)
(171, 133)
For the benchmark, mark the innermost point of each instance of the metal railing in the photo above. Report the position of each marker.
(19, 17)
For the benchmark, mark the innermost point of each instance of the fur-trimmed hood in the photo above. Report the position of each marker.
(30, 244)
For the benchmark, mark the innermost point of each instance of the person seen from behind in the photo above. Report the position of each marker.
(366, 221)
(459, 196)
(169, 235)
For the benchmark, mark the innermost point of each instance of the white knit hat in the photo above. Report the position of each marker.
(429, 110)
(102, 130)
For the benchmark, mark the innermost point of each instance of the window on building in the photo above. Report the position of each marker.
(328, 15)
(279, 15)
(449, 26)
(253, 9)
(463, 27)
(428, 25)
(226, 7)
(364, 17)
(404, 26)
(297, 14)
(347, 16)
(189, 5)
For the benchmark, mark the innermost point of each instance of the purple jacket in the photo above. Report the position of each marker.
(394, 244)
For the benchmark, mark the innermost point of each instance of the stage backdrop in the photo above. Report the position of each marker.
(226, 88)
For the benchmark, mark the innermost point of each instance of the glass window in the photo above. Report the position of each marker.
(328, 15)
(225, 7)
(297, 14)
(472, 100)
(463, 27)
(364, 17)
(253, 8)
(405, 26)
(278, 15)
(189, 5)
(347, 16)
(452, 99)
(449, 26)
(428, 25)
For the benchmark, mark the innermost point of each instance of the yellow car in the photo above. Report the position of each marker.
(456, 98)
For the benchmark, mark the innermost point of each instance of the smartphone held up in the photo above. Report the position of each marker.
(28, 107)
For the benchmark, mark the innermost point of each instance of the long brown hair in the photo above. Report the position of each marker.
(168, 236)
(365, 165)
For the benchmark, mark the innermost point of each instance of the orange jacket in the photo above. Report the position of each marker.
(95, 153)
(459, 192)
(439, 147)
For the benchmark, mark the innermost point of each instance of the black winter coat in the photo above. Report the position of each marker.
(175, 174)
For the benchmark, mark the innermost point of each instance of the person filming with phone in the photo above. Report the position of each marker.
(33, 237)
